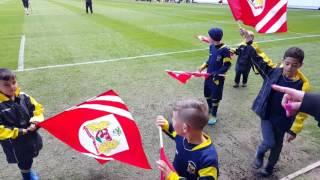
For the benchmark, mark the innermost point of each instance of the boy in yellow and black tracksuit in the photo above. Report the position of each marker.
(19, 114)
(219, 62)
(267, 105)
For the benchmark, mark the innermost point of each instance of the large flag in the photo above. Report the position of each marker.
(266, 16)
(184, 76)
(102, 128)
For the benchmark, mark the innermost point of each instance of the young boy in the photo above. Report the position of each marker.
(218, 64)
(88, 6)
(243, 65)
(26, 6)
(19, 114)
(196, 157)
(267, 105)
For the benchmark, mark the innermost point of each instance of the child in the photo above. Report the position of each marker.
(19, 114)
(89, 6)
(26, 6)
(244, 64)
(218, 64)
(196, 157)
(267, 105)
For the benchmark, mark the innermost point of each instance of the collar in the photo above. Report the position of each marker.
(219, 46)
(202, 145)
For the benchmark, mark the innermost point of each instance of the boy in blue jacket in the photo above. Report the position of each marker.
(218, 63)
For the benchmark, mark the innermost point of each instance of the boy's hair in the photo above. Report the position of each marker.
(250, 33)
(6, 74)
(294, 52)
(192, 112)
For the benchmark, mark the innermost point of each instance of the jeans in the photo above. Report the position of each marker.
(272, 139)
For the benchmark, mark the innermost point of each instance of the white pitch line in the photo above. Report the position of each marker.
(302, 171)
(152, 55)
(21, 54)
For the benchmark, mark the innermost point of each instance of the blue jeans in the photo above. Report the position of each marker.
(272, 139)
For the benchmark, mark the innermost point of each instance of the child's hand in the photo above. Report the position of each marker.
(24, 131)
(164, 168)
(290, 137)
(161, 121)
(32, 127)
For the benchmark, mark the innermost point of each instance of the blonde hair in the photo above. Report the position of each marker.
(192, 112)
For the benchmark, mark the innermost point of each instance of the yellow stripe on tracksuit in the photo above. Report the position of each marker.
(38, 111)
(7, 133)
(166, 129)
(298, 123)
(205, 172)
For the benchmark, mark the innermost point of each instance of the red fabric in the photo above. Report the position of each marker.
(66, 126)
(244, 10)
(184, 76)
(164, 158)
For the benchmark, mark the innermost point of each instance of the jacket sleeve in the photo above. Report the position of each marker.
(301, 117)
(226, 63)
(37, 110)
(260, 60)
(311, 105)
(168, 129)
(9, 133)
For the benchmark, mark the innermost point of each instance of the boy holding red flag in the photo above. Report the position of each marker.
(19, 114)
(196, 157)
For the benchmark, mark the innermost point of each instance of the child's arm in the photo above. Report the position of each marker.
(203, 67)
(10, 133)
(226, 63)
(301, 117)
(36, 109)
(166, 127)
(209, 170)
(260, 60)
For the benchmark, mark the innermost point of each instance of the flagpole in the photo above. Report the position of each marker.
(160, 136)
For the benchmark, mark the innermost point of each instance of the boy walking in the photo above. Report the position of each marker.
(218, 64)
(267, 105)
(243, 65)
(19, 114)
(89, 6)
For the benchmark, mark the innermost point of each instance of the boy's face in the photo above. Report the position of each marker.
(8, 88)
(290, 66)
(178, 124)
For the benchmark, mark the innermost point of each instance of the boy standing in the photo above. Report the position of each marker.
(218, 64)
(19, 114)
(196, 157)
(267, 105)
(243, 65)
(89, 6)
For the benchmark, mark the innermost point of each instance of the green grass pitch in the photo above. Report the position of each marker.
(60, 36)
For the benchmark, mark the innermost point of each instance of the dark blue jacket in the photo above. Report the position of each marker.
(271, 74)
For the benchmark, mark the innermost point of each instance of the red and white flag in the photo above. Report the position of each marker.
(266, 16)
(204, 39)
(102, 128)
(184, 76)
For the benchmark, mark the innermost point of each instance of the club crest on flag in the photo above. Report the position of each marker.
(103, 136)
(257, 6)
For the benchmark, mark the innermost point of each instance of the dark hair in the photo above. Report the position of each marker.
(294, 52)
(193, 112)
(6, 74)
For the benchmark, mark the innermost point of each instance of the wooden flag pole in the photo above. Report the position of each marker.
(160, 136)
